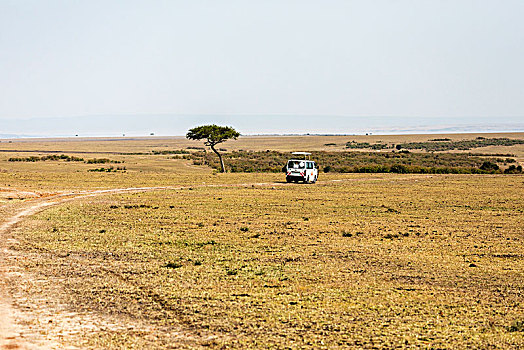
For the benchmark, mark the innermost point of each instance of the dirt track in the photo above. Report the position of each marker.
(11, 332)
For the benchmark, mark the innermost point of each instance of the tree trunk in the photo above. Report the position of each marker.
(219, 157)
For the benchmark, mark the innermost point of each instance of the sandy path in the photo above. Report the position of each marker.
(11, 333)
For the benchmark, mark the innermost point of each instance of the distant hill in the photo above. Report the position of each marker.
(15, 136)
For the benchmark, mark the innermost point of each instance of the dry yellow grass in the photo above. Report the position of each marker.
(387, 261)
(384, 261)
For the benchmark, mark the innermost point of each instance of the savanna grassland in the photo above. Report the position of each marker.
(244, 260)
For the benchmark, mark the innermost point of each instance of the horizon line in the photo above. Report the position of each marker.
(21, 137)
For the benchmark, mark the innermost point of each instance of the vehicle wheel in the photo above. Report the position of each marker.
(315, 179)
(288, 179)
(306, 180)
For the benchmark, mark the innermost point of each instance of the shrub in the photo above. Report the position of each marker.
(45, 158)
(108, 170)
(512, 169)
(489, 166)
(399, 168)
(102, 161)
(164, 152)
(173, 265)
(440, 144)
(516, 326)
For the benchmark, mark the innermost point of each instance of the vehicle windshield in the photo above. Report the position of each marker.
(296, 164)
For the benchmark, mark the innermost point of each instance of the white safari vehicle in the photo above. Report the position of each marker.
(301, 169)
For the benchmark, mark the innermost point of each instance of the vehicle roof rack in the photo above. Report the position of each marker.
(305, 154)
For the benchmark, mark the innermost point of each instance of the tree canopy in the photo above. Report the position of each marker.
(214, 134)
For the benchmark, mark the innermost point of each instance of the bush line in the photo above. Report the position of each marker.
(362, 162)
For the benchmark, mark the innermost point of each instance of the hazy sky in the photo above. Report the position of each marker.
(440, 58)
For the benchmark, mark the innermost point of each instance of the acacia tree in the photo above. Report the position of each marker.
(213, 134)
